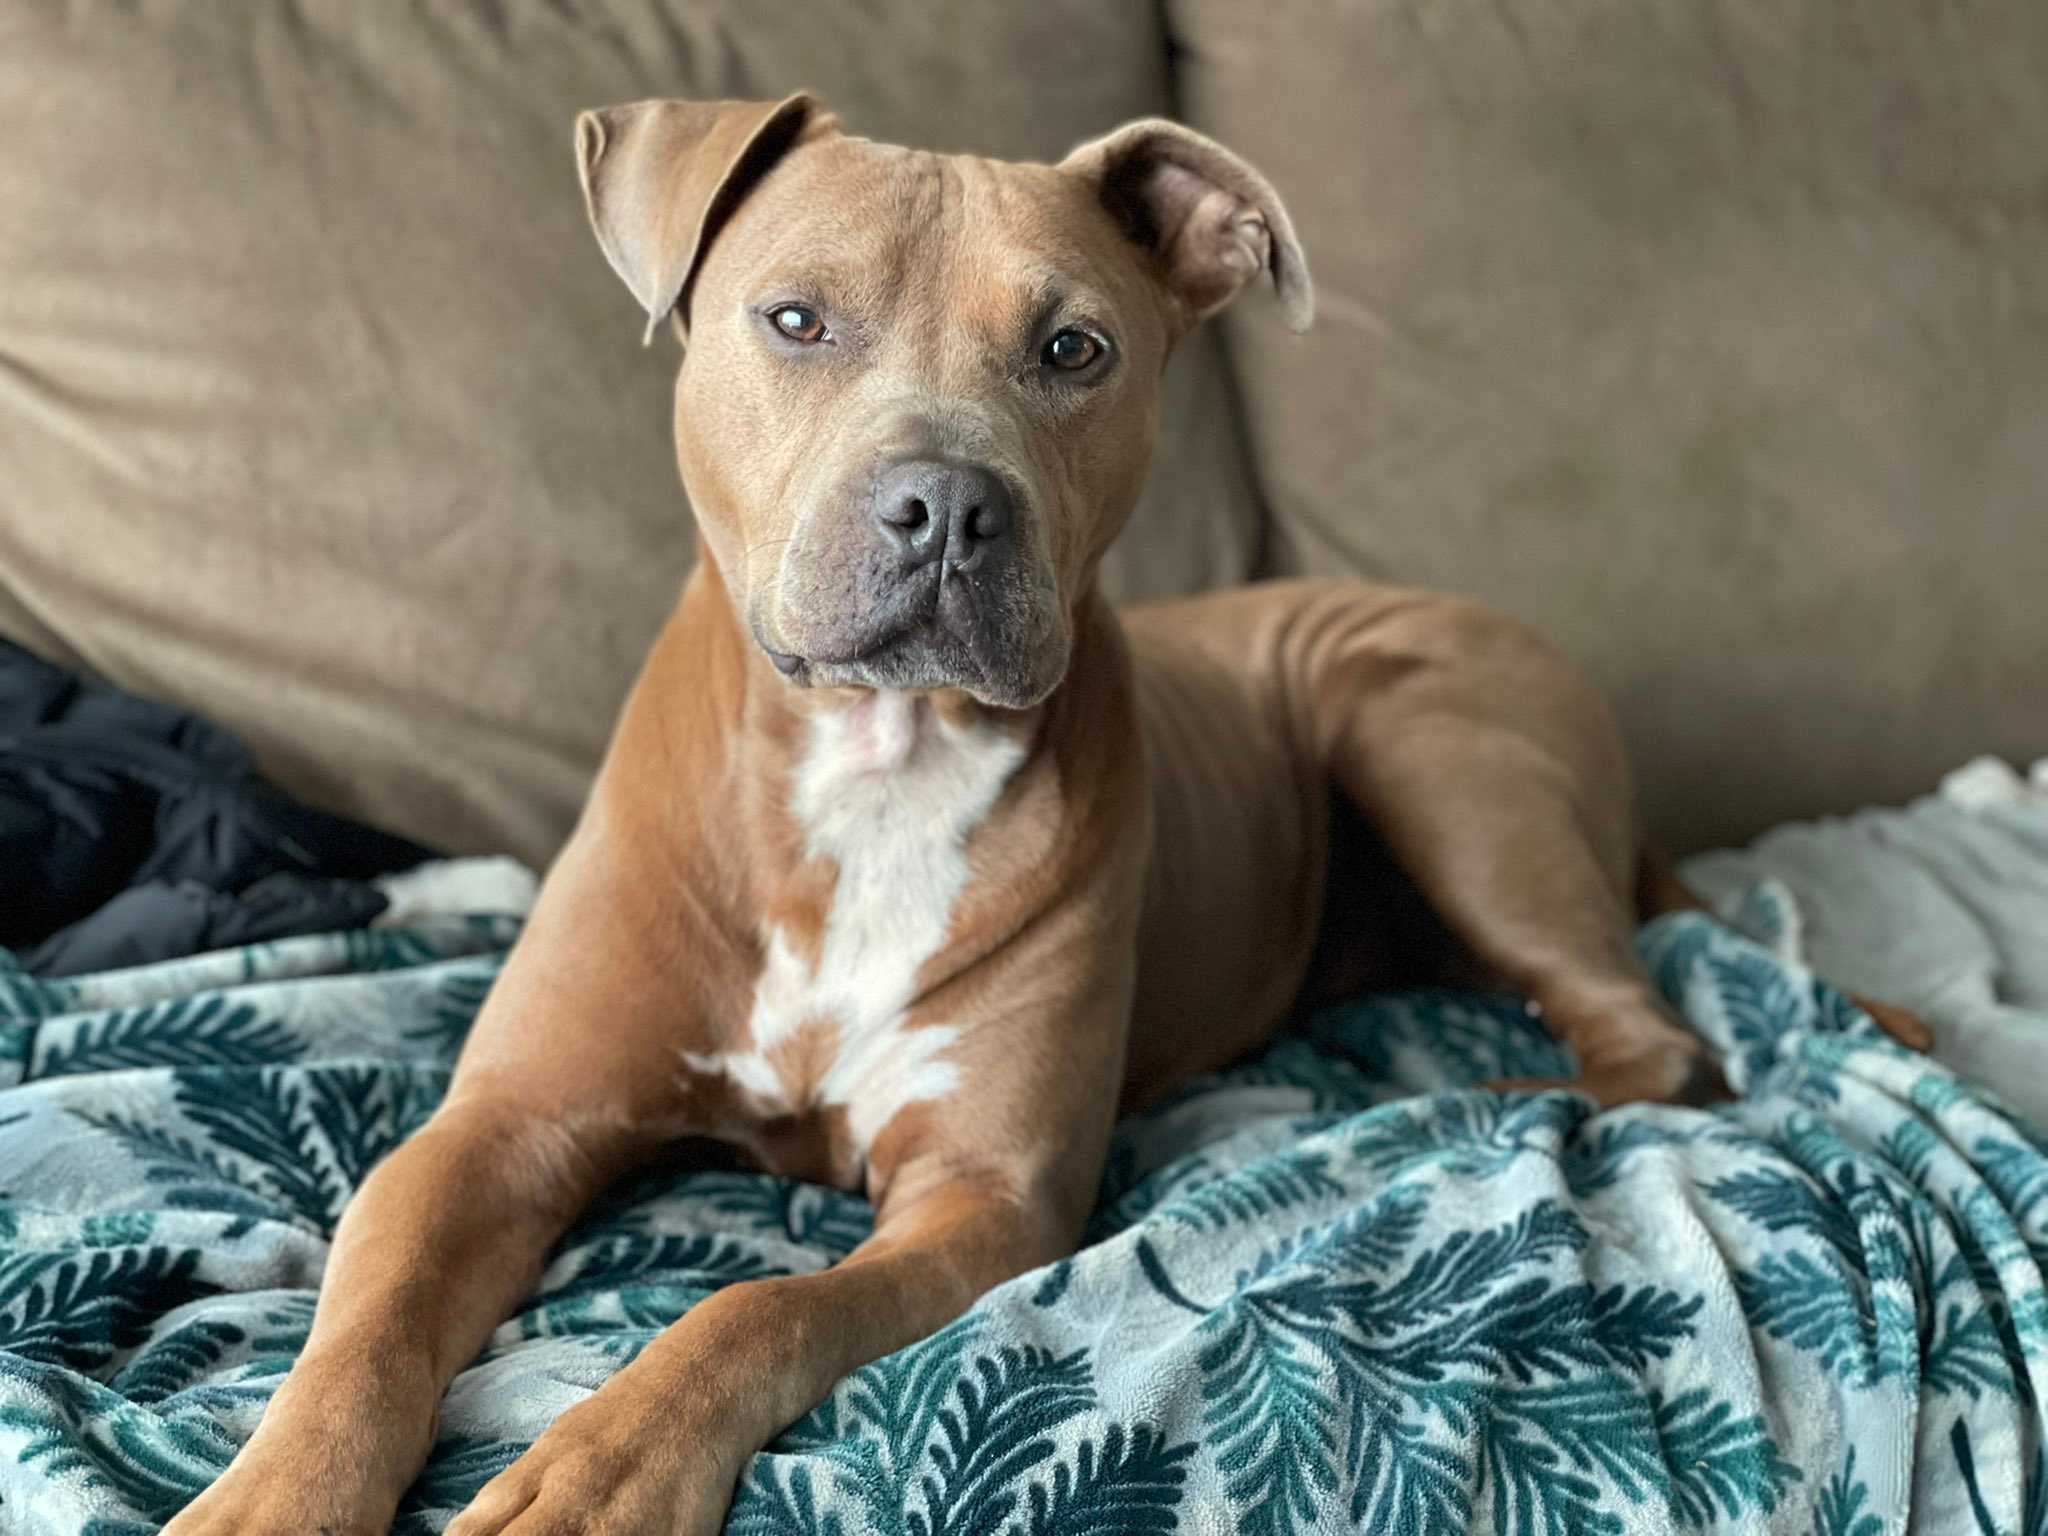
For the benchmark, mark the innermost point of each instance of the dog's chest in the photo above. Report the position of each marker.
(886, 795)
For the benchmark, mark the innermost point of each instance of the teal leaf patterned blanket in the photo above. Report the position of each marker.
(1334, 1289)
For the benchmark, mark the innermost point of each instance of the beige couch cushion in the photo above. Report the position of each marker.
(1711, 336)
(321, 411)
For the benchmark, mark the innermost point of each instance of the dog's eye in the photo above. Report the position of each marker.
(797, 322)
(1071, 350)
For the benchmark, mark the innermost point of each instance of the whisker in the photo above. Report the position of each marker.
(749, 553)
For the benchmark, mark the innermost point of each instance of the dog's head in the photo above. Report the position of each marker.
(918, 391)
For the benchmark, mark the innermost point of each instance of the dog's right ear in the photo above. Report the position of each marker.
(1211, 222)
(659, 177)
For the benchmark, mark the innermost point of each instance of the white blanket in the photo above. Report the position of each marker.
(1941, 907)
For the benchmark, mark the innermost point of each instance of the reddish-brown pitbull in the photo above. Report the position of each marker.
(911, 862)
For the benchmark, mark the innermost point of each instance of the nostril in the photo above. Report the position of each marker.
(987, 522)
(910, 514)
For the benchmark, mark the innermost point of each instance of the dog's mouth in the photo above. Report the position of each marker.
(799, 668)
(999, 636)
(923, 614)
(930, 647)
(915, 655)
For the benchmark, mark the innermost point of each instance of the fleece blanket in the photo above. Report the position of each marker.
(1940, 906)
(1334, 1289)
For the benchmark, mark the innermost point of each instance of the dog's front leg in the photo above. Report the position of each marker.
(657, 1450)
(442, 1241)
(970, 1188)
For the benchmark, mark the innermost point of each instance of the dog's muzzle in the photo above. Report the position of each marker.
(940, 590)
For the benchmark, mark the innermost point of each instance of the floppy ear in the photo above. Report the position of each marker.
(1213, 221)
(659, 177)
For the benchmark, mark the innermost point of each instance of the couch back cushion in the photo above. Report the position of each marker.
(1712, 337)
(321, 412)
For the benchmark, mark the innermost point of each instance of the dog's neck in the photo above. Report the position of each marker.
(721, 743)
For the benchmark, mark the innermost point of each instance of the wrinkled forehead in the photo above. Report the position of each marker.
(872, 231)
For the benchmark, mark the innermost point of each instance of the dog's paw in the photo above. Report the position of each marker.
(246, 1503)
(607, 1467)
(1680, 1071)
(1634, 1055)
(1903, 1025)
(324, 1462)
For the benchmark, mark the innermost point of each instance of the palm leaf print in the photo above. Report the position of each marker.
(1873, 1295)
(1534, 1489)
(88, 1433)
(1756, 1000)
(261, 1115)
(1718, 1461)
(459, 996)
(190, 1176)
(2016, 1169)
(1475, 1134)
(1841, 1510)
(807, 1214)
(626, 1287)
(705, 1258)
(1128, 1197)
(1820, 1302)
(1131, 1486)
(388, 949)
(362, 1112)
(78, 1308)
(995, 1427)
(1461, 1039)
(1815, 1305)
(876, 1426)
(1600, 1423)
(899, 1397)
(311, 1134)
(1265, 1404)
(174, 1360)
(25, 999)
(1909, 1147)
(1969, 1353)
(1600, 1152)
(204, 1031)
(1315, 1380)
(775, 1505)
(455, 1473)
(1256, 1192)
(1780, 1202)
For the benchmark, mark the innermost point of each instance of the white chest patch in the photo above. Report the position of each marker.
(889, 792)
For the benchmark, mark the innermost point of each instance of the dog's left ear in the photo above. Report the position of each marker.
(1213, 222)
(659, 177)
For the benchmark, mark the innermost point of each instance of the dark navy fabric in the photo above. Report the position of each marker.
(132, 831)
(158, 921)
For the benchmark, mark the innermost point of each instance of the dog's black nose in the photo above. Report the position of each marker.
(930, 508)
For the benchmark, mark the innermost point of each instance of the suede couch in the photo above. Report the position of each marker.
(1709, 335)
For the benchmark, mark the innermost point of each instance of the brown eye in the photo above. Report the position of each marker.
(1071, 350)
(797, 322)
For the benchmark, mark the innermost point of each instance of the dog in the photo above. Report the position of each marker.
(912, 864)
